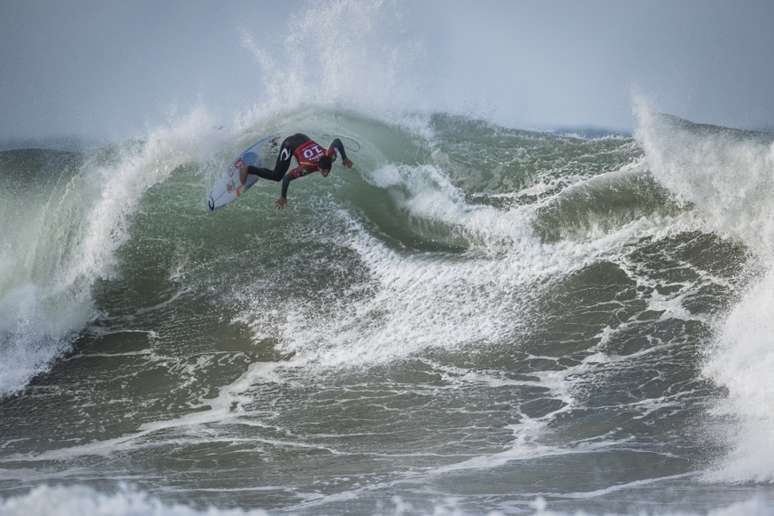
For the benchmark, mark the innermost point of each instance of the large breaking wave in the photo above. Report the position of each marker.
(599, 292)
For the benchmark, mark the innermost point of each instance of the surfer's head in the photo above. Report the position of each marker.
(325, 165)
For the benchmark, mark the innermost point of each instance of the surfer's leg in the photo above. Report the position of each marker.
(280, 167)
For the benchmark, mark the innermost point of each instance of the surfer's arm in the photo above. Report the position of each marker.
(337, 146)
(290, 176)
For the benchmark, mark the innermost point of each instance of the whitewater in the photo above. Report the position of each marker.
(474, 319)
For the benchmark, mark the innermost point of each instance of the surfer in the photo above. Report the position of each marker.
(310, 156)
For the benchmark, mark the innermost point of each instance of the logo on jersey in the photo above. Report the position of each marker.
(313, 152)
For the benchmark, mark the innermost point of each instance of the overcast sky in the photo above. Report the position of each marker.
(111, 69)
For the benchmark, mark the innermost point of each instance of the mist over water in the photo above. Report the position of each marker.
(81, 69)
(474, 319)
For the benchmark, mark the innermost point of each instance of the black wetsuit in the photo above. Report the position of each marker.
(306, 151)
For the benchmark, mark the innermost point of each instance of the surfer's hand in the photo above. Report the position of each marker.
(281, 202)
(242, 172)
(347, 163)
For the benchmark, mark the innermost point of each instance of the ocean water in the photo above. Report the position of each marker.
(475, 319)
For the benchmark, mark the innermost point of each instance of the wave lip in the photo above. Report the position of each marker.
(723, 173)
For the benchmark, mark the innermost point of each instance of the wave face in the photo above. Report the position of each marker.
(475, 318)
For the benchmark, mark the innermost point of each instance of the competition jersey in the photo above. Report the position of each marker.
(308, 154)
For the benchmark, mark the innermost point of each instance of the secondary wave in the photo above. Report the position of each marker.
(62, 230)
(726, 176)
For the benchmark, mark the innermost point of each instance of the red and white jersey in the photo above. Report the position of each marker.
(308, 154)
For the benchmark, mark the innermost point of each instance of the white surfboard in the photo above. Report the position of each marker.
(228, 188)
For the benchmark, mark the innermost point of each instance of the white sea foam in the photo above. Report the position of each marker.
(80, 500)
(76, 500)
(751, 507)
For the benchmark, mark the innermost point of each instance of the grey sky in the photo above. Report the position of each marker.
(109, 69)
